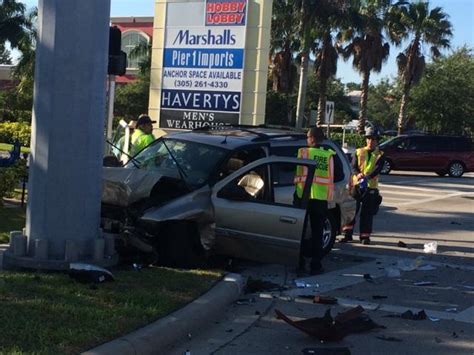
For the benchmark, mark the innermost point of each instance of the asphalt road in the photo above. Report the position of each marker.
(417, 209)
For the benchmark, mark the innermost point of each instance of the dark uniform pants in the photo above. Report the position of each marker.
(317, 210)
(368, 207)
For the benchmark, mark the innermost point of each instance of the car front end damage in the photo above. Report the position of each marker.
(142, 208)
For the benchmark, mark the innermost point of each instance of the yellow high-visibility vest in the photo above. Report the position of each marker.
(322, 187)
(140, 140)
(367, 165)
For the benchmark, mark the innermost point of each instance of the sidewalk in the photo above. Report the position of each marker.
(163, 334)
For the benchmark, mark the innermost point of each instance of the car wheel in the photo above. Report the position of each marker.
(456, 169)
(329, 234)
(180, 246)
(387, 167)
(440, 173)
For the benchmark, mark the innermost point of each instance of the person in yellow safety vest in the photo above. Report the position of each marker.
(322, 189)
(367, 164)
(142, 136)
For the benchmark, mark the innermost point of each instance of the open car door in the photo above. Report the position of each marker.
(255, 215)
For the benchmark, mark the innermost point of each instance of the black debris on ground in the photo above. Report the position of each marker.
(257, 285)
(88, 273)
(421, 315)
(379, 297)
(402, 244)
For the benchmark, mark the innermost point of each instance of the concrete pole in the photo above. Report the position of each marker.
(68, 129)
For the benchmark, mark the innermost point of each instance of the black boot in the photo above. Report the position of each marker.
(347, 238)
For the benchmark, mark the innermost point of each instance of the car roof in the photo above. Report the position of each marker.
(232, 137)
(432, 136)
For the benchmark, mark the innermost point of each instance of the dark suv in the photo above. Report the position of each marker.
(440, 154)
(228, 191)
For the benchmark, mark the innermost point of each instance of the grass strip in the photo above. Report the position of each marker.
(53, 314)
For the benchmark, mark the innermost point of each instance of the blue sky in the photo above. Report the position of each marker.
(461, 15)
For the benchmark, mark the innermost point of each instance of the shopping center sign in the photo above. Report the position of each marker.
(203, 64)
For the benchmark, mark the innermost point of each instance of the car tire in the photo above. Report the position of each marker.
(180, 246)
(329, 233)
(456, 169)
(387, 167)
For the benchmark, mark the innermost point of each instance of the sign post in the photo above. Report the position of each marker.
(329, 115)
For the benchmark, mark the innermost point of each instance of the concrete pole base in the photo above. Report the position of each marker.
(17, 257)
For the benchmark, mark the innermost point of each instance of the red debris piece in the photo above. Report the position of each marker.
(329, 329)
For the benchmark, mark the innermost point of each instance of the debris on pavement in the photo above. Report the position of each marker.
(324, 300)
(431, 248)
(421, 315)
(451, 310)
(425, 283)
(386, 338)
(456, 223)
(409, 265)
(434, 319)
(328, 328)
(326, 351)
(438, 340)
(379, 297)
(304, 284)
(401, 244)
(88, 273)
(245, 301)
(368, 277)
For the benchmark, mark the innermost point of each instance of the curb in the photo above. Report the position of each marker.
(161, 335)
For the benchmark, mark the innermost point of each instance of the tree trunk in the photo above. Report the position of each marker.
(403, 109)
(302, 90)
(408, 81)
(323, 83)
(363, 102)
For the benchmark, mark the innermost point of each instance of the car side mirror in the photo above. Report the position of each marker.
(233, 192)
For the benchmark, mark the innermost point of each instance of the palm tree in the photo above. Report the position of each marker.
(12, 22)
(318, 19)
(416, 22)
(367, 46)
(284, 43)
(325, 67)
(25, 69)
(142, 52)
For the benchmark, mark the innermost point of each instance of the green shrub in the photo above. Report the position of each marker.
(10, 178)
(11, 131)
(353, 139)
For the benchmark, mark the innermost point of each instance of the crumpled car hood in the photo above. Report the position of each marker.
(122, 187)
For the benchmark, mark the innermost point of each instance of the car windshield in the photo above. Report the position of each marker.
(196, 160)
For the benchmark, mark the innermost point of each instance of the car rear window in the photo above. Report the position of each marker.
(453, 144)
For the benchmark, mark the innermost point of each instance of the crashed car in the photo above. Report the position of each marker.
(222, 191)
